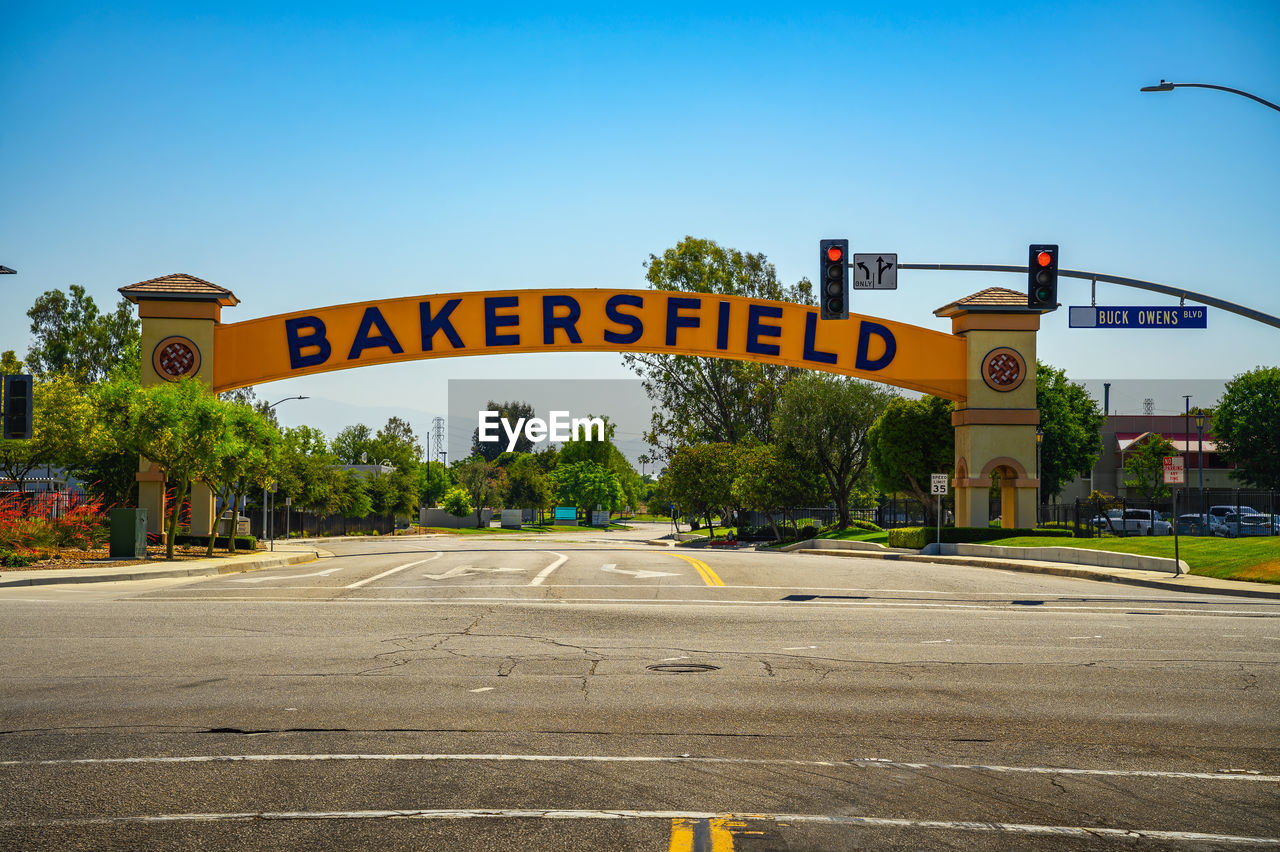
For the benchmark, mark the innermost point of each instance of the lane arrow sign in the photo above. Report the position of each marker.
(639, 575)
(470, 571)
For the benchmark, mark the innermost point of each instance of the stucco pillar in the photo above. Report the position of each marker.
(178, 314)
(995, 427)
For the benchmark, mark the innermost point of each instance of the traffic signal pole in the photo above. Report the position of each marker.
(1179, 292)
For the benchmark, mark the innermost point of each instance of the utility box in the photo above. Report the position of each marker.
(128, 533)
(224, 524)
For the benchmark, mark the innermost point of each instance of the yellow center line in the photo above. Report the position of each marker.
(708, 576)
(716, 835)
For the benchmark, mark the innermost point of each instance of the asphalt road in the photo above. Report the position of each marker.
(591, 692)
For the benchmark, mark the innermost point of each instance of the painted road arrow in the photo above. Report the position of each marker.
(639, 575)
(469, 570)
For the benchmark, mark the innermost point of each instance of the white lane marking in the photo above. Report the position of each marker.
(935, 642)
(802, 648)
(620, 814)
(391, 571)
(323, 573)
(1094, 636)
(471, 571)
(612, 568)
(851, 763)
(546, 572)
(1037, 612)
(482, 689)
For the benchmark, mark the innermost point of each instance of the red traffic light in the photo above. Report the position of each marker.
(834, 253)
(1044, 258)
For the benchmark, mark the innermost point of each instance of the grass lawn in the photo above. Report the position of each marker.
(1256, 559)
(848, 534)
(855, 534)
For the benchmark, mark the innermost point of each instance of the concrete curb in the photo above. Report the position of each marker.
(1155, 579)
(234, 565)
(1070, 555)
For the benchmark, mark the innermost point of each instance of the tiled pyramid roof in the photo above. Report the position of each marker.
(179, 285)
(992, 298)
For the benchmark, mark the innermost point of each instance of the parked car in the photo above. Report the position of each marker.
(1194, 524)
(1223, 511)
(1253, 524)
(1145, 522)
(1111, 520)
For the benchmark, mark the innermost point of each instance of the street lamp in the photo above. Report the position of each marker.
(264, 485)
(1204, 521)
(1166, 86)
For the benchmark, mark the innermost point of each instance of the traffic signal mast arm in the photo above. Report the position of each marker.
(1211, 301)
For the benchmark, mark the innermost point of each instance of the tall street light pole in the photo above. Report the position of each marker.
(1166, 86)
(264, 486)
(1200, 463)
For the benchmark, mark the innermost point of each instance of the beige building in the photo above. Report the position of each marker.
(1123, 432)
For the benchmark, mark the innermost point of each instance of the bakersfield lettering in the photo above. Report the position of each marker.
(560, 323)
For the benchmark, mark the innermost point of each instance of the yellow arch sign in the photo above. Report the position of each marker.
(498, 322)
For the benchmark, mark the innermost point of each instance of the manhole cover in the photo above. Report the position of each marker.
(682, 668)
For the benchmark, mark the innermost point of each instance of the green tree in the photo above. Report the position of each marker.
(662, 500)
(247, 452)
(73, 337)
(1072, 425)
(63, 429)
(701, 479)
(353, 498)
(825, 419)
(433, 481)
(512, 412)
(910, 440)
(586, 447)
(457, 502)
(527, 486)
(708, 400)
(586, 485)
(771, 479)
(393, 493)
(396, 444)
(177, 425)
(10, 363)
(1144, 467)
(352, 443)
(484, 481)
(307, 472)
(1246, 425)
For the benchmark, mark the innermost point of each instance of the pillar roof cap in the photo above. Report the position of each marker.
(993, 300)
(179, 287)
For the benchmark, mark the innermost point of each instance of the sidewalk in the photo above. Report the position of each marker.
(1131, 576)
(286, 553)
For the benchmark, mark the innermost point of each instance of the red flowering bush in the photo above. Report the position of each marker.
(32, 527)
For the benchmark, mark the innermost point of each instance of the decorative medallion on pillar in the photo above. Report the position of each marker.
(175, 357)
(1004, 369)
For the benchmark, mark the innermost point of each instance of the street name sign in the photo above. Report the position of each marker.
(875, 271)
(1132, 316)
(1174, 471)
(937, 483)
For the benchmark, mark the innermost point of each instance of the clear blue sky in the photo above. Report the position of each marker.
(317, 153)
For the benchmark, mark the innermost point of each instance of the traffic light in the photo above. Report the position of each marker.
(833, 283)
(1042, 277)
(17, 408)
